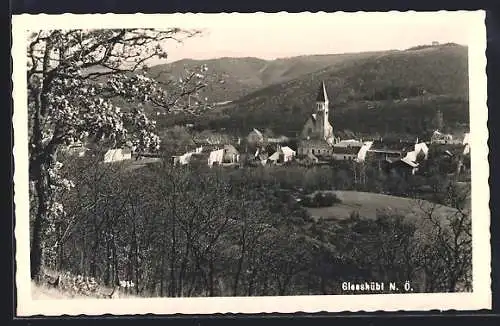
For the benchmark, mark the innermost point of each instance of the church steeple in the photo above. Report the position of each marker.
(322, 95)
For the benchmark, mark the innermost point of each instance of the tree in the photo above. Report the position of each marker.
(438, 122)
(446, 252)
(73, 77)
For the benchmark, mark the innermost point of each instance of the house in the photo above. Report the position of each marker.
(388, 149)
(317, 133)
(182, 159)
(278, 140)
(314, 147)
(117, 155)
(466, 144)
(347, 150)
(420, 152)
(231, 154)
(404, 167)
(440, 138)
(345, 153)
(255, 137)
(363, 151)
(215, 157)
(282, 155)
(422, 148)
(77, 149)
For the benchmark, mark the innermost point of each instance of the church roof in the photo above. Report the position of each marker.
(322, 96)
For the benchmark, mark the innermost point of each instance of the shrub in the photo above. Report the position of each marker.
(321, 199)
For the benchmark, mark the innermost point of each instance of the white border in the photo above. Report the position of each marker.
(479, 299)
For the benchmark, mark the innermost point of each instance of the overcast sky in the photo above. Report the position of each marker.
(271, 36)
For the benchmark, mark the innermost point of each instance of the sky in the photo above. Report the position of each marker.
(270, 36)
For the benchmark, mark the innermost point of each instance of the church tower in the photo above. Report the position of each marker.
(323, 125)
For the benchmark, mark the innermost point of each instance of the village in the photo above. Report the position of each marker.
(293, 176)
(316, 146)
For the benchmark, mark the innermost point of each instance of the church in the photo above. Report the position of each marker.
(317, 135)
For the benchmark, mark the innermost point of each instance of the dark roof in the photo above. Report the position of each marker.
(386, 145)
(315, 142)
(346, 150)
(322, 96)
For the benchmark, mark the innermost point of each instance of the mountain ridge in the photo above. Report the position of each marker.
(408, 85)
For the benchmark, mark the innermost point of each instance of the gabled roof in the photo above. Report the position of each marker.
(409, 162)
(230, 148)
(257, 132)
(322, 96)
(287, 150)
(275, 156)
(346, 150)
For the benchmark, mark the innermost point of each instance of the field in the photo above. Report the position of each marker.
(367, 205)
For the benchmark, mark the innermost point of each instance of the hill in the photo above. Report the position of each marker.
(397, 91)
(231, 78)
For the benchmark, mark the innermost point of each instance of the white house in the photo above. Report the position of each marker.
(116, 155)
(440, 138)
(466, 143)
(215, 157)
(282, 155)
(420, 149)
(363, 150)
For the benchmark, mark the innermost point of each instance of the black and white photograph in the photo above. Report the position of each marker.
(246, 163)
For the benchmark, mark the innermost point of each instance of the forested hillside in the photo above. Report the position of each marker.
(229, 79)
(366, 94)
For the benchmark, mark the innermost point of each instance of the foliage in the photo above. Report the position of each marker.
(216, 232)
(74, 78)
(320, 199)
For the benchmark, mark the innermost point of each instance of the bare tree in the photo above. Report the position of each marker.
(72, 77)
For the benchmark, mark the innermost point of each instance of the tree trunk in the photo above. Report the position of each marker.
(42, 211)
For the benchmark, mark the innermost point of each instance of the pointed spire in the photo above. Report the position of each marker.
(322, 96)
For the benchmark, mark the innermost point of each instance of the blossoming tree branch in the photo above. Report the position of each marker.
(73, 77)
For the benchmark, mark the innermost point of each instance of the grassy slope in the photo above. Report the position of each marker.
(367, 204)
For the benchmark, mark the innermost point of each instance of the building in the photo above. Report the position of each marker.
(216, 157)
(418, 154)
(347, 150)
(76, 149)
(363, 151)
(278, 140)
(255, 137)
(117, 155)
(345, 153)
(403, 167)
(388, 149)
(440, 138)
(282, 155)
(466, 144)
(231, 154)
(317, 134)
(186, 157)
(314, 147)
